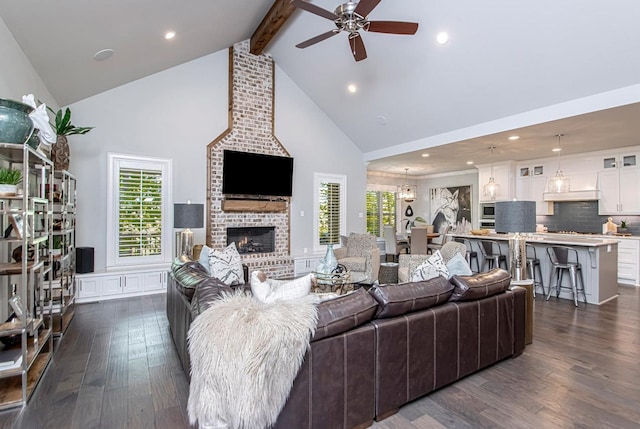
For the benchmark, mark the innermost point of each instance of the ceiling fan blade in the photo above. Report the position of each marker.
(309, 7)
(392, 27)
(357, 47)
(365, 7)
(318, 38)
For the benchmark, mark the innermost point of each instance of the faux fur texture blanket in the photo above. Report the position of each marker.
(244, 357)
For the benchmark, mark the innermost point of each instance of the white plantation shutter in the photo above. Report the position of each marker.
(140, 212)
(139, 221)
(330, 209)
(329, 213)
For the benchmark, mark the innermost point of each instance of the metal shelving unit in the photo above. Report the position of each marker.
(25, 261)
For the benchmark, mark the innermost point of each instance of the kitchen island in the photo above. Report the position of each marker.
(597, 255)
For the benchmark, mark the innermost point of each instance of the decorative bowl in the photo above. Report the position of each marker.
(15, 124)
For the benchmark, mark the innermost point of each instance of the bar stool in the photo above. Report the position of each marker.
(471, 254)
(535, 271)
(491, 254)
(564, 258)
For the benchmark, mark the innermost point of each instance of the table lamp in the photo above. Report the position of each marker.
(187, 216)
(516, 217)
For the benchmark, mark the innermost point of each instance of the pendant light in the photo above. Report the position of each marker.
(559, 183)
(407, 192)
(491, 189)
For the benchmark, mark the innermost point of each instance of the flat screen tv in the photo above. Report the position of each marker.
(246, 173)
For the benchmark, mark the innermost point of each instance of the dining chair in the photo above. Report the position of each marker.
(437, 242)
(419, 240)
(393, 246)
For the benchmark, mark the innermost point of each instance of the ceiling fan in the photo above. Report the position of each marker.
(352, 17)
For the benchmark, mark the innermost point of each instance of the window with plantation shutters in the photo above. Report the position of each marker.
(138, 224)
(381, 210)
(330, 209)
(140, 212)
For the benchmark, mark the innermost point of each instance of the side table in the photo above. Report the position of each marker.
(388, 273)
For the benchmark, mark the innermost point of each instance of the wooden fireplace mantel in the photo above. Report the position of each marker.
(253, 206)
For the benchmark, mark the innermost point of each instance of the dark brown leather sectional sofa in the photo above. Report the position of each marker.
(374, 351)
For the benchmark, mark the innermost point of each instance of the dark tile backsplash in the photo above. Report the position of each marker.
(582, 216)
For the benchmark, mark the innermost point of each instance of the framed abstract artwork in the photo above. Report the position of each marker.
(450, 206)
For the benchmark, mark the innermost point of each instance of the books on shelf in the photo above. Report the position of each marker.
(10, 359)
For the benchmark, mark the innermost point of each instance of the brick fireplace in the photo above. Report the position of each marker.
(251, 100)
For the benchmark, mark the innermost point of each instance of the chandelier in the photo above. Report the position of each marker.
(491, 189)
(407, 192)
(558, 183)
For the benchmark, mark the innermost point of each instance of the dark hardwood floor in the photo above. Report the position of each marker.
(116, 368)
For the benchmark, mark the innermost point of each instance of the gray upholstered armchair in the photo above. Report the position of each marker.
(360, 254)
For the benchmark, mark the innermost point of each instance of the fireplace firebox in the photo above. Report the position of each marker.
(255, 239)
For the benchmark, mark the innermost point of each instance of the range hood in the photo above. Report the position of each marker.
(584, 187)
(572, 196)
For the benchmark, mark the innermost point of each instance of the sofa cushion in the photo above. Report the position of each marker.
(344, 313)
(226, 265)
(269, 290)
(403, 298)
(204, 257)
(458, 265)
(481, 285)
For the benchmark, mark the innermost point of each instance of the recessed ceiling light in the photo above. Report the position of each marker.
(469, 162)
(352, 88)
(382, 120)
(514, 137)
(103, 54)
(425, 155)
(169, 35)
(442, 38)
(556, 149)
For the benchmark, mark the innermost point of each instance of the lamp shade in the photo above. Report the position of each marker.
(515, 216)
(188, 215)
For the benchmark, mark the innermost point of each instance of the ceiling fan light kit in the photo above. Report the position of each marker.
(351, 17)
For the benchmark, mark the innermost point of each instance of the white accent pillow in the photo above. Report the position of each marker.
(204, 257)
(458, 265)
(226, 265)
(270, 290)
(432, 267)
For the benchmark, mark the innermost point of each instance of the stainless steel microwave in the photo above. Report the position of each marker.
(487, 211)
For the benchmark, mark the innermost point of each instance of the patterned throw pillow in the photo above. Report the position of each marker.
(226, 265)
(432, 267)
(270, 290)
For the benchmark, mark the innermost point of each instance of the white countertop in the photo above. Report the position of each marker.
(587, 240)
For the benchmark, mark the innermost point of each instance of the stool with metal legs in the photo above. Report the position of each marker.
(492, 255)
(564, 258)
(535, 271)
(471, 254)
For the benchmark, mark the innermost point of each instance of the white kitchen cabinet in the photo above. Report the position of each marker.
(503, 175)
(531, 185)
(619, 185)
(629, 261)
(95, 287)
(305, 264)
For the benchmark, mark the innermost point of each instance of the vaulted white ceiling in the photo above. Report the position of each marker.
(505, 64)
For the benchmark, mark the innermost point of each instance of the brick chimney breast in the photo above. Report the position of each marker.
(251, 125)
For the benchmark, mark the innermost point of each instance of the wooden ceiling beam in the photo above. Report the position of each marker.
(280, 11)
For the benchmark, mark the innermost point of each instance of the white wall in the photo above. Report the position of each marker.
(17, 75)
(175, 114)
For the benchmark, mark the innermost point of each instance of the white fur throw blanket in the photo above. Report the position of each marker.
(244, 357)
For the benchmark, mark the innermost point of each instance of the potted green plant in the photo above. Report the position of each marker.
(622, 229)
(9, 180)
(63, 128)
